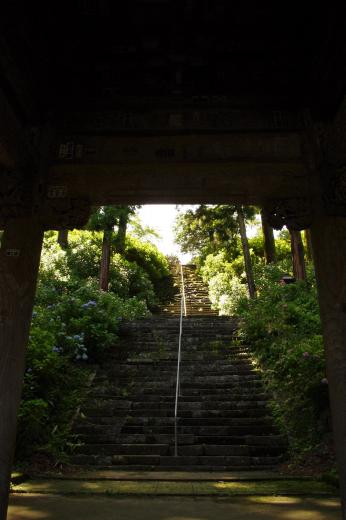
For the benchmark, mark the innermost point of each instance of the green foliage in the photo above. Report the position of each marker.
(154, 263)
(141, 272)
(51, 392)
(282, 325)
(84, 319)
(225, 287)
(74, 325)
(209, 229)
(106, 217)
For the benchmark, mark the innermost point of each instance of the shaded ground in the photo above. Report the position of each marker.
(50, 507)
(152, 487)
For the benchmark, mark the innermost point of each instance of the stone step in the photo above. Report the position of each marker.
(123, 449)
(104, 438)
(222, 415)
(171, 379)
(227, 406)
(165, 418)
(186, 371)
(198, 450)
(256, 445)
(198, 421)
(242, 399)
(165, 461)
(250, 440)
(242, 393)
(205, 364)
(202, 430)
(184, 404)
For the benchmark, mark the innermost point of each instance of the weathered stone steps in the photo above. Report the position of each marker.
(224, 424)
(196, 450)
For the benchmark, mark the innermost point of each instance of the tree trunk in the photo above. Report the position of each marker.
(63, 238)
(298, 260)
(105, 260)
(269, 240)
(19, 261)
(308, 244)
(246, 253)
(121, 235)
(329, 249)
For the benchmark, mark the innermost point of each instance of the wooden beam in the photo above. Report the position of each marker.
(15, 146)
(329, 248)
(246, 182)
(211, 147)
(19, 261)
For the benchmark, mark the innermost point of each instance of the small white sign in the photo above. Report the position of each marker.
(56, 192)
(14, 253)
(66, 150)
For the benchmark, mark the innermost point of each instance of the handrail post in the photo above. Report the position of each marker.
(177, 388)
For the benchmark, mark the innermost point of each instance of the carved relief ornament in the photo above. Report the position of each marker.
(65, 213)
(294, 213)
(16, 189)
(334, 190)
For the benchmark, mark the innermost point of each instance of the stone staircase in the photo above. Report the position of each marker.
(196, 294)
(127, 420)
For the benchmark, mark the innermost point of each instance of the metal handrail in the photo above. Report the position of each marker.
(177, 387)
(183, 288)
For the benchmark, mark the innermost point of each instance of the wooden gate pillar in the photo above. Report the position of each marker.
(19, 261)
(329, 249)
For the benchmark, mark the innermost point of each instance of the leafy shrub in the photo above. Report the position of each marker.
(83, 319)
(282, 326)
(74, 324)
(52, 389)
(142, 271)
(226, 289)
(154, 263)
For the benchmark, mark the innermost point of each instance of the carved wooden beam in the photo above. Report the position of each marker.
(333, 181)
(22, 196)
(64, 213)
(18, 142)
(16, 193)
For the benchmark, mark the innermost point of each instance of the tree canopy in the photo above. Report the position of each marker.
(209, 229)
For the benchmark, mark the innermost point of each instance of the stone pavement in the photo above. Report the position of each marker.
(50, 507)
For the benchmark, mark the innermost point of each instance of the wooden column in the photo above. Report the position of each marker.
(105, 260)
(63, 238)
(246, 253)
(307, 234)
(19, 261)
(269, 240)
(329, 249)
(298, 260)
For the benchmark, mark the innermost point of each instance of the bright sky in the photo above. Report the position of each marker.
(161, 217)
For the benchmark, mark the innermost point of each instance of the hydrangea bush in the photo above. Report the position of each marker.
(74, 325)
